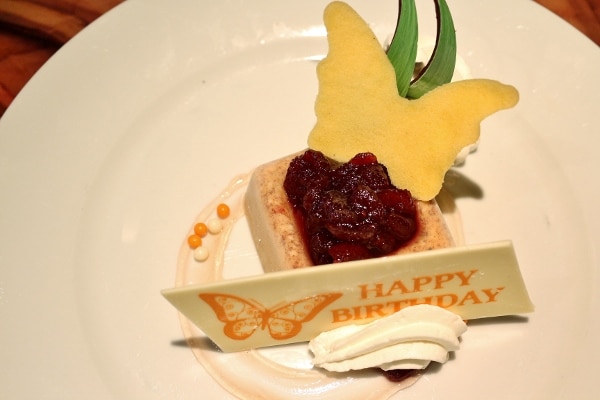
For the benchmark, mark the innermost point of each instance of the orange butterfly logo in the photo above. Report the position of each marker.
(243, 317)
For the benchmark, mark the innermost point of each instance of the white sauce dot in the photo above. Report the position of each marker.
(200, 253)
(214, 226)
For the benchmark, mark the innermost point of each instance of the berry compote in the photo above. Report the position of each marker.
(349, 211)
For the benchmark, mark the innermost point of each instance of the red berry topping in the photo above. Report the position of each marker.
(349, 211)
(397, 375)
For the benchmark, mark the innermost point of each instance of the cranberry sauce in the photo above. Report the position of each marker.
(349, 211)
(398, 375)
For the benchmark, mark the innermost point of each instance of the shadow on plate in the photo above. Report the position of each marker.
(198, 342)
(507, 319)
(459, 185)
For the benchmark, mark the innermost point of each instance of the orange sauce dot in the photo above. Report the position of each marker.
(200, 229)
(194, 241)
(223, 210)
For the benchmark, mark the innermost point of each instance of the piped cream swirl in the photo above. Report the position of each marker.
(408, 339)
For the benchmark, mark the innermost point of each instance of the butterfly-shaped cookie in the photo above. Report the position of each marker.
(243, 317)
(359, 110)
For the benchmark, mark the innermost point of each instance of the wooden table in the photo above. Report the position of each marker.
(32, 30)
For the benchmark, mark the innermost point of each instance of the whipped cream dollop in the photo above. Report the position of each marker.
(408, 339)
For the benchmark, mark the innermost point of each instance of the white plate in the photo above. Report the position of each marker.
(115, 145)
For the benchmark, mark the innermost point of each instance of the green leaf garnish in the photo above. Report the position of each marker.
(440, 67)
(403, 48)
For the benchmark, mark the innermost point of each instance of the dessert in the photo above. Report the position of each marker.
(336, 202)
(365, 188)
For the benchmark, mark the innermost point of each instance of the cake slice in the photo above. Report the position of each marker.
(278, 234)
